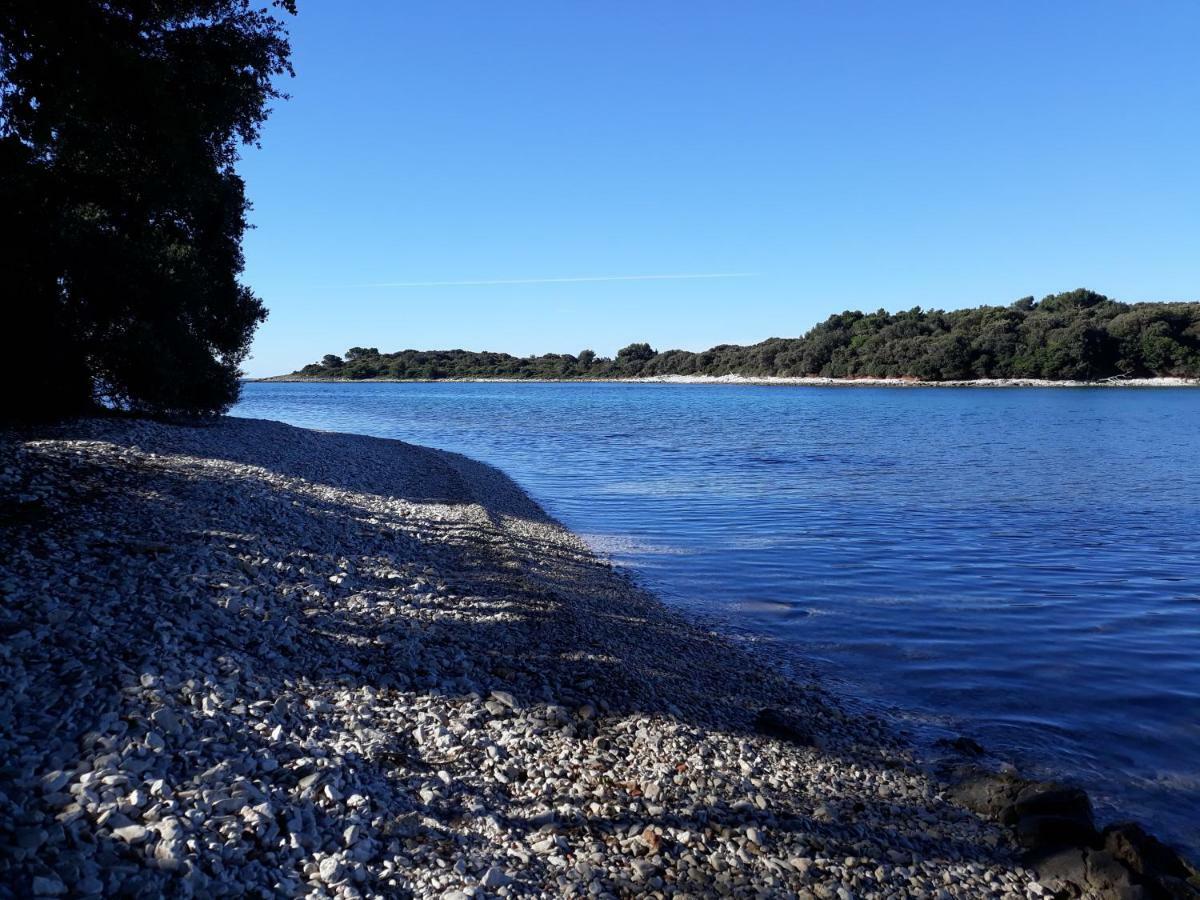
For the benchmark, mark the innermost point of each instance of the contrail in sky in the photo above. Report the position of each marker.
(571, 280)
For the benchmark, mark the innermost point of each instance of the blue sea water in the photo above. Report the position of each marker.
(1019, 565)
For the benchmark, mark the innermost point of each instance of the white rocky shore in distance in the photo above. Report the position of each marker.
(813, 381)
(250, 659)
(805, 381)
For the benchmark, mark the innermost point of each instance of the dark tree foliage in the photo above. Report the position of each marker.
(120, 124)
(1079, 335)
(632, 360)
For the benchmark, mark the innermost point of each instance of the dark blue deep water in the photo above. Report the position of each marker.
(1020, 565)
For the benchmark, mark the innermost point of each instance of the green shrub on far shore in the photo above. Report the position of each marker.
(1080, 335)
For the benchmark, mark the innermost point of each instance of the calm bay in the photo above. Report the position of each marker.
(1017, 565)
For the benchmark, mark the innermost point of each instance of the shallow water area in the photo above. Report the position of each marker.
(1018, 565)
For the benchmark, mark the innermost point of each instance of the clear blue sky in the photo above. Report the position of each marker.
(834, 155)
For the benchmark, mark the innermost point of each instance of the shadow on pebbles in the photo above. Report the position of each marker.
(242, 658)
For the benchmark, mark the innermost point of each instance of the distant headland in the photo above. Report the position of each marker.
(1079, 336)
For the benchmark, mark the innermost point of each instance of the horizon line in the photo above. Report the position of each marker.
(573, 279)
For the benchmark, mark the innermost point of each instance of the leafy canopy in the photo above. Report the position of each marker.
(1077, 335)
(120, 125)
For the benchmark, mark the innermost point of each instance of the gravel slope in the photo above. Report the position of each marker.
(246, 658)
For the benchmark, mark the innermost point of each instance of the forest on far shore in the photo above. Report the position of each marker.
(1079, 335)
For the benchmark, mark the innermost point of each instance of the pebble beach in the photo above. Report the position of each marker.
(245, 659)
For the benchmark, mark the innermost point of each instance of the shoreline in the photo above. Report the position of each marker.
(763, 381)
(359, 666)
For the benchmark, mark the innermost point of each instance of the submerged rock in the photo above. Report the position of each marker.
(963, 745)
